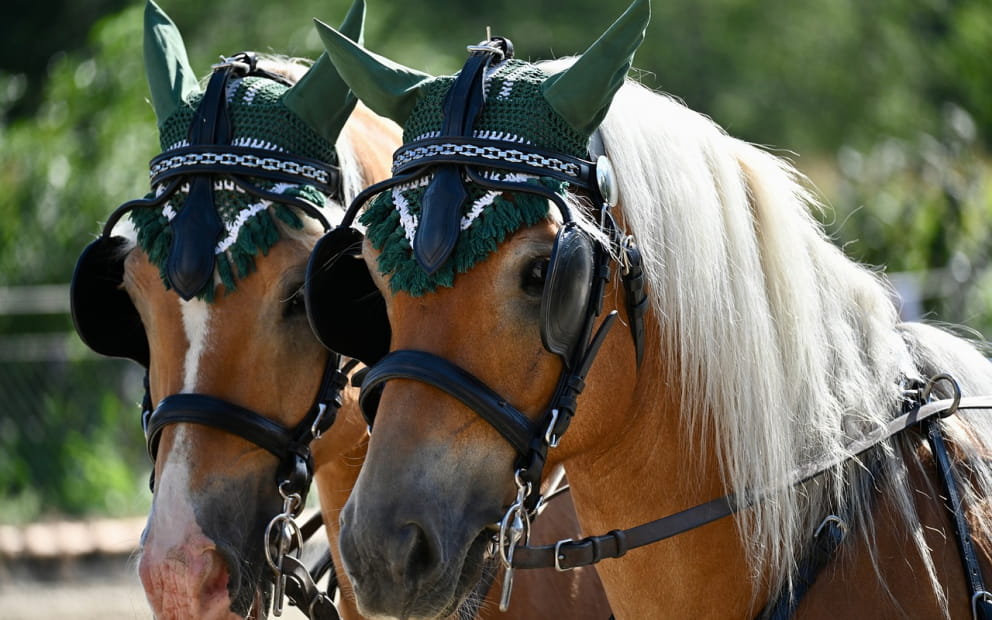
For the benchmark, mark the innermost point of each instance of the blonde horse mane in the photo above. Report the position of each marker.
(785, 350)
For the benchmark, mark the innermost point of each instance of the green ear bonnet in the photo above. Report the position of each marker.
(245, 153)
(484, 150)
(261, 122)
(514, 113)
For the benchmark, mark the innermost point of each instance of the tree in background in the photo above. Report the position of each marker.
(889, 103)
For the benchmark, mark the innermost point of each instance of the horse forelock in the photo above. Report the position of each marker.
(785, 349)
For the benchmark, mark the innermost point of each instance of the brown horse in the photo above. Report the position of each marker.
(245, 346)
(756, 350)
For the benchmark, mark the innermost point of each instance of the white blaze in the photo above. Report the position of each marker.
(196, 320)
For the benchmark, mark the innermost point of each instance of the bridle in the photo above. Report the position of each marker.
(189, 270)
(578, 271)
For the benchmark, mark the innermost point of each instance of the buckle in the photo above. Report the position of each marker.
(559, 556)
(549, 437)
(315, 427)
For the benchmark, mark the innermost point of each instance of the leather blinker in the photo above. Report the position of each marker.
(344, 307)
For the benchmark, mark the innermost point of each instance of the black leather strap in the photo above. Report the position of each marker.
(197, 226)
(303, 591)
(571, 554)
(457, 382)
(220, 414)
(981, 605)
(441, 208)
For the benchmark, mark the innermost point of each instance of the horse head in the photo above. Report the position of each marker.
(492, 280)
(536, 210)
(201, 283)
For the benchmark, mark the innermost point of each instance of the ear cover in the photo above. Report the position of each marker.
(566, 291)
(345, 308)
(102, 312)
(386, 87)
(321, 98)
(170, 78)
(582, 94)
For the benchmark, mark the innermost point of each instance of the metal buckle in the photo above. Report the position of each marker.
(514, 527)
(549, 437)
(315, 427)
(841, 524)
(980, 595)
(559, 556)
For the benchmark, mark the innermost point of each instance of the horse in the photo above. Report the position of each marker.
(239, 349)
(760, 406)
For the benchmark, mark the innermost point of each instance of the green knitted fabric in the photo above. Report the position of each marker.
(515, 111)
(258, 120)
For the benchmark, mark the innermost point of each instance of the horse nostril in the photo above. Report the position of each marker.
(415, 556)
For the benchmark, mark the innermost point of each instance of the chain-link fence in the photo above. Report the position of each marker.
(70, 433)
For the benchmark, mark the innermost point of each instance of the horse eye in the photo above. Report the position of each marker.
(293, 305)
(534, 275)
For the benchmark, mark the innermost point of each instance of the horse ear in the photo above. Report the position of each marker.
(582, 93)
(170, 77)
(387, 88)
(321, 97)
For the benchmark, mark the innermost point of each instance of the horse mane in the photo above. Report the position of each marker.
(784, 349)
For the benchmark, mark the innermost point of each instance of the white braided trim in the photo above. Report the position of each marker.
(492, 152)
(272, 164)
(408, 221)
(487, 199)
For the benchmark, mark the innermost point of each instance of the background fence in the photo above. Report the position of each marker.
(70, 433)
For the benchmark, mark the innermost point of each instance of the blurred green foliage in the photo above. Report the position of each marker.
(889, 102)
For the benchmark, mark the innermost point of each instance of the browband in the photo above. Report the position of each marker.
(498, 154)
(244, 161)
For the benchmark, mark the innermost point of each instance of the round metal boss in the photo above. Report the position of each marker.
(607, 180)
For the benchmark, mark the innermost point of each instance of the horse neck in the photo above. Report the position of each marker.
(649, 465)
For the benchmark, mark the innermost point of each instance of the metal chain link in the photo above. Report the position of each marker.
(513, 156)
(270, 164)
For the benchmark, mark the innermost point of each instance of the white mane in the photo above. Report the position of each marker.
(785, 349)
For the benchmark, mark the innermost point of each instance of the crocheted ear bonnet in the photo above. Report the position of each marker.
(520, 104)
(260, 143)
(259, 120)
(514, 112)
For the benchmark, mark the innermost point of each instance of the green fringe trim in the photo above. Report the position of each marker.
(257, 236)
(505, 215)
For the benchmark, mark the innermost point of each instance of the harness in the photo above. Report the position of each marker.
(108, 322)
(572, 300)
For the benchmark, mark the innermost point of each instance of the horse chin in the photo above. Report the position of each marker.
(474, 580)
